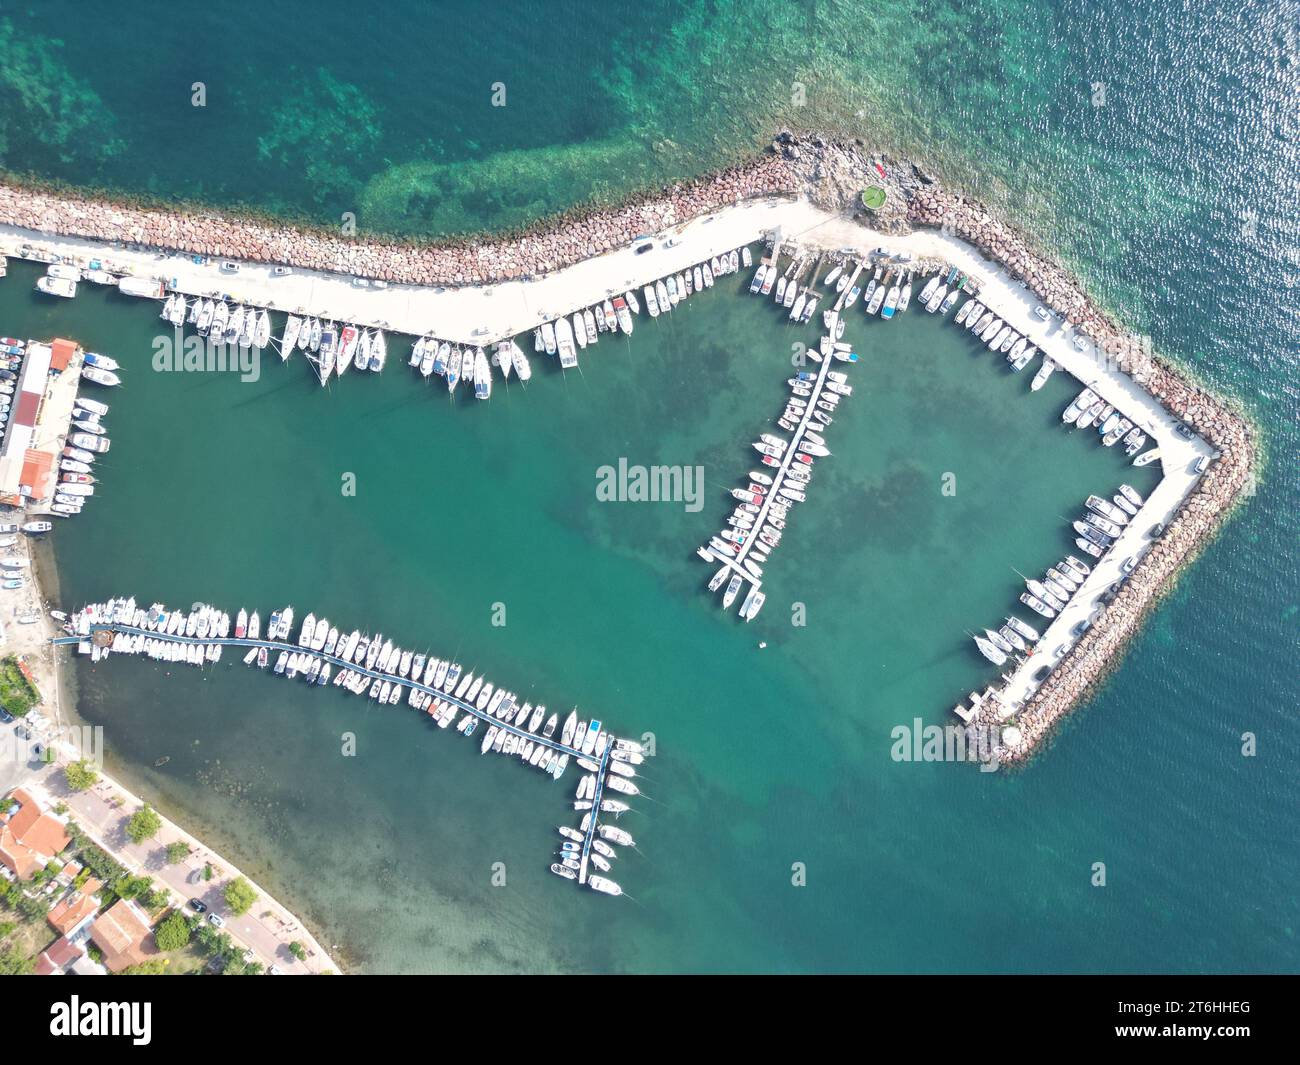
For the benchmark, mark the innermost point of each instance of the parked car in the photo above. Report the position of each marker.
(229, 267)
(282, 271)
(1042, 313)
(198, 906)
(5, 715)
(215, 920)
(642, 247)
(271, 970)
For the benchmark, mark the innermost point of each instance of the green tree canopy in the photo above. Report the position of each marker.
(144, 824)
(172, 933)
(240, 896)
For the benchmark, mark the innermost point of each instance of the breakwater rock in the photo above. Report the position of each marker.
(1100, 648)
(552, 246)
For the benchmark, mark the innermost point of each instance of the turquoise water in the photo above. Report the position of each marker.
(1172, 198)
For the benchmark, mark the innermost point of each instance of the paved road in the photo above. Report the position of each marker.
(103, 811)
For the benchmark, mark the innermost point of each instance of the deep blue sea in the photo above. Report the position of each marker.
(1152, 147)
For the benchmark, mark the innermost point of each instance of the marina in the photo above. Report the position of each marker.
(1007, 319)
(385, 673)
(861, 152)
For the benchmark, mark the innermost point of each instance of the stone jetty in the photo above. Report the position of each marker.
(552, 246)
(1100, 648)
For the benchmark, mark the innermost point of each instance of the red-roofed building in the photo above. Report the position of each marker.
(61, 354)
(122, 933)
(74, 911)
(56, 958)
(29, 837)
(37, 479)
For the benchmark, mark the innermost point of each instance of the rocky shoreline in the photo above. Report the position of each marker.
(831, 173)
(552, 246)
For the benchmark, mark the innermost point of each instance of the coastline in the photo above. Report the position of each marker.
(828, 175)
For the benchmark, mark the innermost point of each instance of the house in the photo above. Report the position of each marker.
(74, 911)
(29, 837)
(122, 932)
(64, 956)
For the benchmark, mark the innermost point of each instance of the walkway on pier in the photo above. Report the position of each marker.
(341, 663)
(474, 314)
(736, 563)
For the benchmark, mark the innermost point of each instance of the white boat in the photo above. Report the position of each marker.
(1044, 372)
(733, 588)
(482, 376)
(564, 344)
(604, 886)
(623, 315)
(987, 649)
(929, 289)
(523, 370)
(877, 298)
(292, 327)
(262, 330)
(1147, 456)
(378, 351)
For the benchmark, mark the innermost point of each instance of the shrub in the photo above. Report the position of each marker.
(172, 933)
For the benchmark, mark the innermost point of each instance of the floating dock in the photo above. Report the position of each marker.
(121, 627)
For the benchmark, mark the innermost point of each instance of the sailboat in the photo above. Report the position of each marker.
(378, 351)
(292, 327)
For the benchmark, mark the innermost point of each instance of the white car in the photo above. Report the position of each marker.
(1042, 313)
(215, 920)
(229, 267)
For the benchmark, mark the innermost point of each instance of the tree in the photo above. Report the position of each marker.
(240, 896)
(298, 950)
(177, 851)
(80, 775)
(144, 824)
(133, 887)
(173, 933)
(12, 963)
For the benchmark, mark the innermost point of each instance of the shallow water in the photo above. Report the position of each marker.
(1170, 196)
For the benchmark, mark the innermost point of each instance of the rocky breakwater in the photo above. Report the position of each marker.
(562, 242)
(1202, 512)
